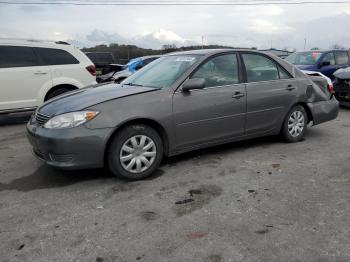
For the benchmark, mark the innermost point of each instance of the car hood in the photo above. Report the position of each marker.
(343, 73)
(87, 97)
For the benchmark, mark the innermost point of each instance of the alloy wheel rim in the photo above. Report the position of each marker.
(137, 154)
(296, 124)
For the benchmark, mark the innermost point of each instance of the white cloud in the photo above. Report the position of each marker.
(261, 11)
(156, 39)
(266, 27)
(164, 36)
(245, 26)
(273, 10)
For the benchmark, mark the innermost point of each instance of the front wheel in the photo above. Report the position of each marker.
(295, 124)
(135, 152)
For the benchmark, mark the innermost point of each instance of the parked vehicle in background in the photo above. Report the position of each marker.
(181, 102)
(101, 60)
(326, 62)
(278, 52)
(32, 72)
(342, 86)
(121, 72)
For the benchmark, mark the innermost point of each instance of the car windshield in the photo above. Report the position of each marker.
(162, 72)
(304, 58)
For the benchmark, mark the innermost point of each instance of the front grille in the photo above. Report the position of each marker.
(41, 118)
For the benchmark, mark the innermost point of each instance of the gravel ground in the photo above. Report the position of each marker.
(258, 200)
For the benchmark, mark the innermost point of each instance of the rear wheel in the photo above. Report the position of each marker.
(295, 125)
(135, 152)
(57, 92)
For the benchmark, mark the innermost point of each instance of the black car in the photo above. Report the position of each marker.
(341, 86)
(102, 60)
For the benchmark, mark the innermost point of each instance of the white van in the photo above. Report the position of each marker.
(32, 72)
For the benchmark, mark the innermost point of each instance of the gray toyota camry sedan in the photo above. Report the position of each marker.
(180, 102)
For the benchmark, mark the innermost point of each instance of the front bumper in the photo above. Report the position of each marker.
(324, 111)
(71, 148)
(342, 93)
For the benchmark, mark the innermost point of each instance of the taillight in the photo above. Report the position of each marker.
(91, 69)
(330, 88)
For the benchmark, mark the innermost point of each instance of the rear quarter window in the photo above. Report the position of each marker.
(17, 56)
(51, 56)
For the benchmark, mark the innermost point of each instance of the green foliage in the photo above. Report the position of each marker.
(123, 53)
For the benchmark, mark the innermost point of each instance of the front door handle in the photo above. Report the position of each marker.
(238, 95)
(290, 87)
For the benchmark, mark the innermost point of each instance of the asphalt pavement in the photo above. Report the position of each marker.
(257, 200)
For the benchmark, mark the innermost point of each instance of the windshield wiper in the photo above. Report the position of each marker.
(132, 84)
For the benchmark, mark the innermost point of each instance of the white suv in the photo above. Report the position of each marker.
(32, 72)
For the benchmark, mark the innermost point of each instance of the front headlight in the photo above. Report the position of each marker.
(70, 120)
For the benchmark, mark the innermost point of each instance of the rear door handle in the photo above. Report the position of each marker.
(290, 87)
(40, 73)
(238, 95)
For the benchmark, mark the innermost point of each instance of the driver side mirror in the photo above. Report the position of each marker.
(194, 83)
(325, 63)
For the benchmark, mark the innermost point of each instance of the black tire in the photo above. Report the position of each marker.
(115, 151)
(287, 133)
(57, 92)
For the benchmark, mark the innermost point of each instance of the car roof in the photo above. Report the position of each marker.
(98, 53)
(35, 43)
(322, 51)
(150, 56)
(212, 51)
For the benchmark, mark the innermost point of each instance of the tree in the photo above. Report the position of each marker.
(172, 46)
(123, 53)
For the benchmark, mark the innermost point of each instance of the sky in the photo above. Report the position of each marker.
(265, 26)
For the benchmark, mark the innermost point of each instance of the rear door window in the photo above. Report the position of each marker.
(341, 58)
(17, 56)
(51, 56)
(260, 68)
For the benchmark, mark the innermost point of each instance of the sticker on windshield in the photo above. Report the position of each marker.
(185, 59)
